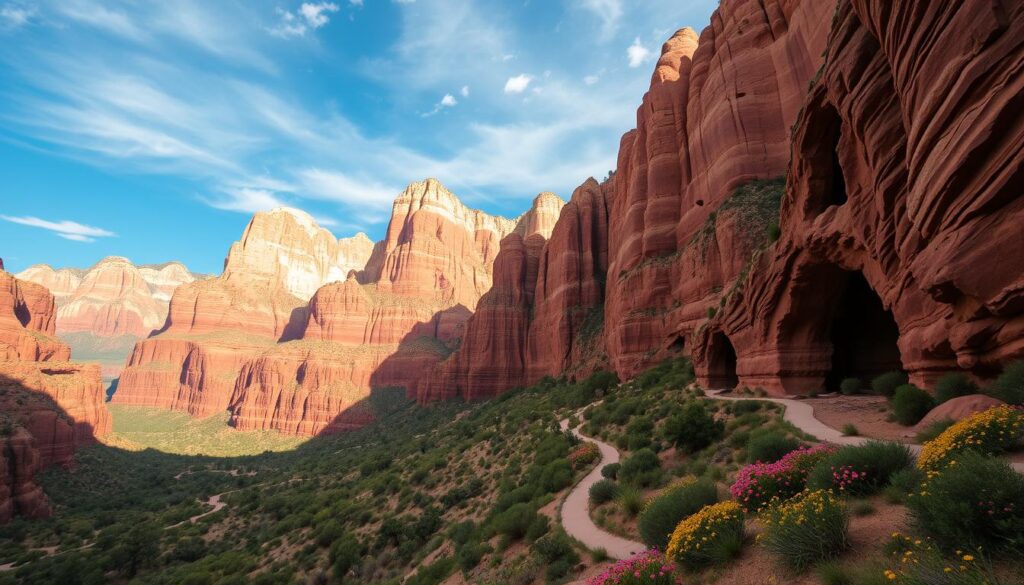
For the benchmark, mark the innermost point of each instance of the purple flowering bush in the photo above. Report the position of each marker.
(645, 568)
(759, 483)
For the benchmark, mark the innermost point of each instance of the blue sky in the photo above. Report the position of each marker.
(153, 130)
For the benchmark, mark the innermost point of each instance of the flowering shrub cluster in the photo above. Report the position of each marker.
(992, 431)
(915, 561)
(758, 484)
(807, 529)
(645, 568)
(584, 455)
(712, 535)
(845, 477)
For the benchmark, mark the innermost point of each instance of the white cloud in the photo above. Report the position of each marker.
(316, 14)
(464, 91)
(638, 54)
(609, 11)
(355, 2)
(310, 16)
(591, 79)
(518, 84)
(14, 16)
(69, 230)
(448, 100)
(245, 200)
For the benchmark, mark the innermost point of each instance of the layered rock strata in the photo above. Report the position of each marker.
(48, 406)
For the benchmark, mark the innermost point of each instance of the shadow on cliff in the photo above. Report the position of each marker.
(45, 450)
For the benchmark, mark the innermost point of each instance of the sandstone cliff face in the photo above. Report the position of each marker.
(112, 298)
(248, 343)
(499, 347)
(438, 257)
(47, 405)
(902, 207)
(878, 252)
(286, 247)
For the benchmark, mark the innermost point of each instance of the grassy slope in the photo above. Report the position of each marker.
(137, 428)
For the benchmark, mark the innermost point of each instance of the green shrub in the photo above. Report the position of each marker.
(630, 500)
(976, 501)
(933, 430)
(808, 529)
(850, 430)
(769, 445)
(925, 564)
(886, 384)
(694, 428)
(345, 554)
(910, 404)
(641, 468)
(861, 469)
(902, 484)
(434, 573)
(954, 385)
(663, 512)
(850, 386)
(603, 491)
(745, 406)
(1009, 386)
(515, 521)
(610, 471)
(538, 528)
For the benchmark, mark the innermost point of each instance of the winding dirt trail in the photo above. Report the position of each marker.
(801, 415)
(575, 512)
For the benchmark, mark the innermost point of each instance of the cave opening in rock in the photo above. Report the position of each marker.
(863, 334)
(836, 186)
(678, 344)
(722, 363)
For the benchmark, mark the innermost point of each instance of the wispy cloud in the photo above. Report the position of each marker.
(608, 11)
(69, 230)
(14, 16)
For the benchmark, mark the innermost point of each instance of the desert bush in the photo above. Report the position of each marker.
(584, 455)
(663, 512)
(850, 386)
(808, 529)
(759, 483)
(515, 521)
(769, 445)
(1009, 386)
(910, 404)
(886, 384)
(630, 500)
(641, 468)
(713, 535)
(644, 568)
(992, 431)
(861, 469)
(603, 491)
(915, 561)
(974, 501)
(693, 428)
(610, 471)
(954, 385)
(933, 430)
(740, 407)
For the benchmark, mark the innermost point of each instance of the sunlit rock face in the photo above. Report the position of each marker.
(48, 406)
(255, 342)
(809, 194)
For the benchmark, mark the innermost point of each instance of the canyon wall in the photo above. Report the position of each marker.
(812, 192)
(48, 406)
(249, 343)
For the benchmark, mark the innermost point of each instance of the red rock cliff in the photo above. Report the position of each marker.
(48, 406)
(811, 193)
